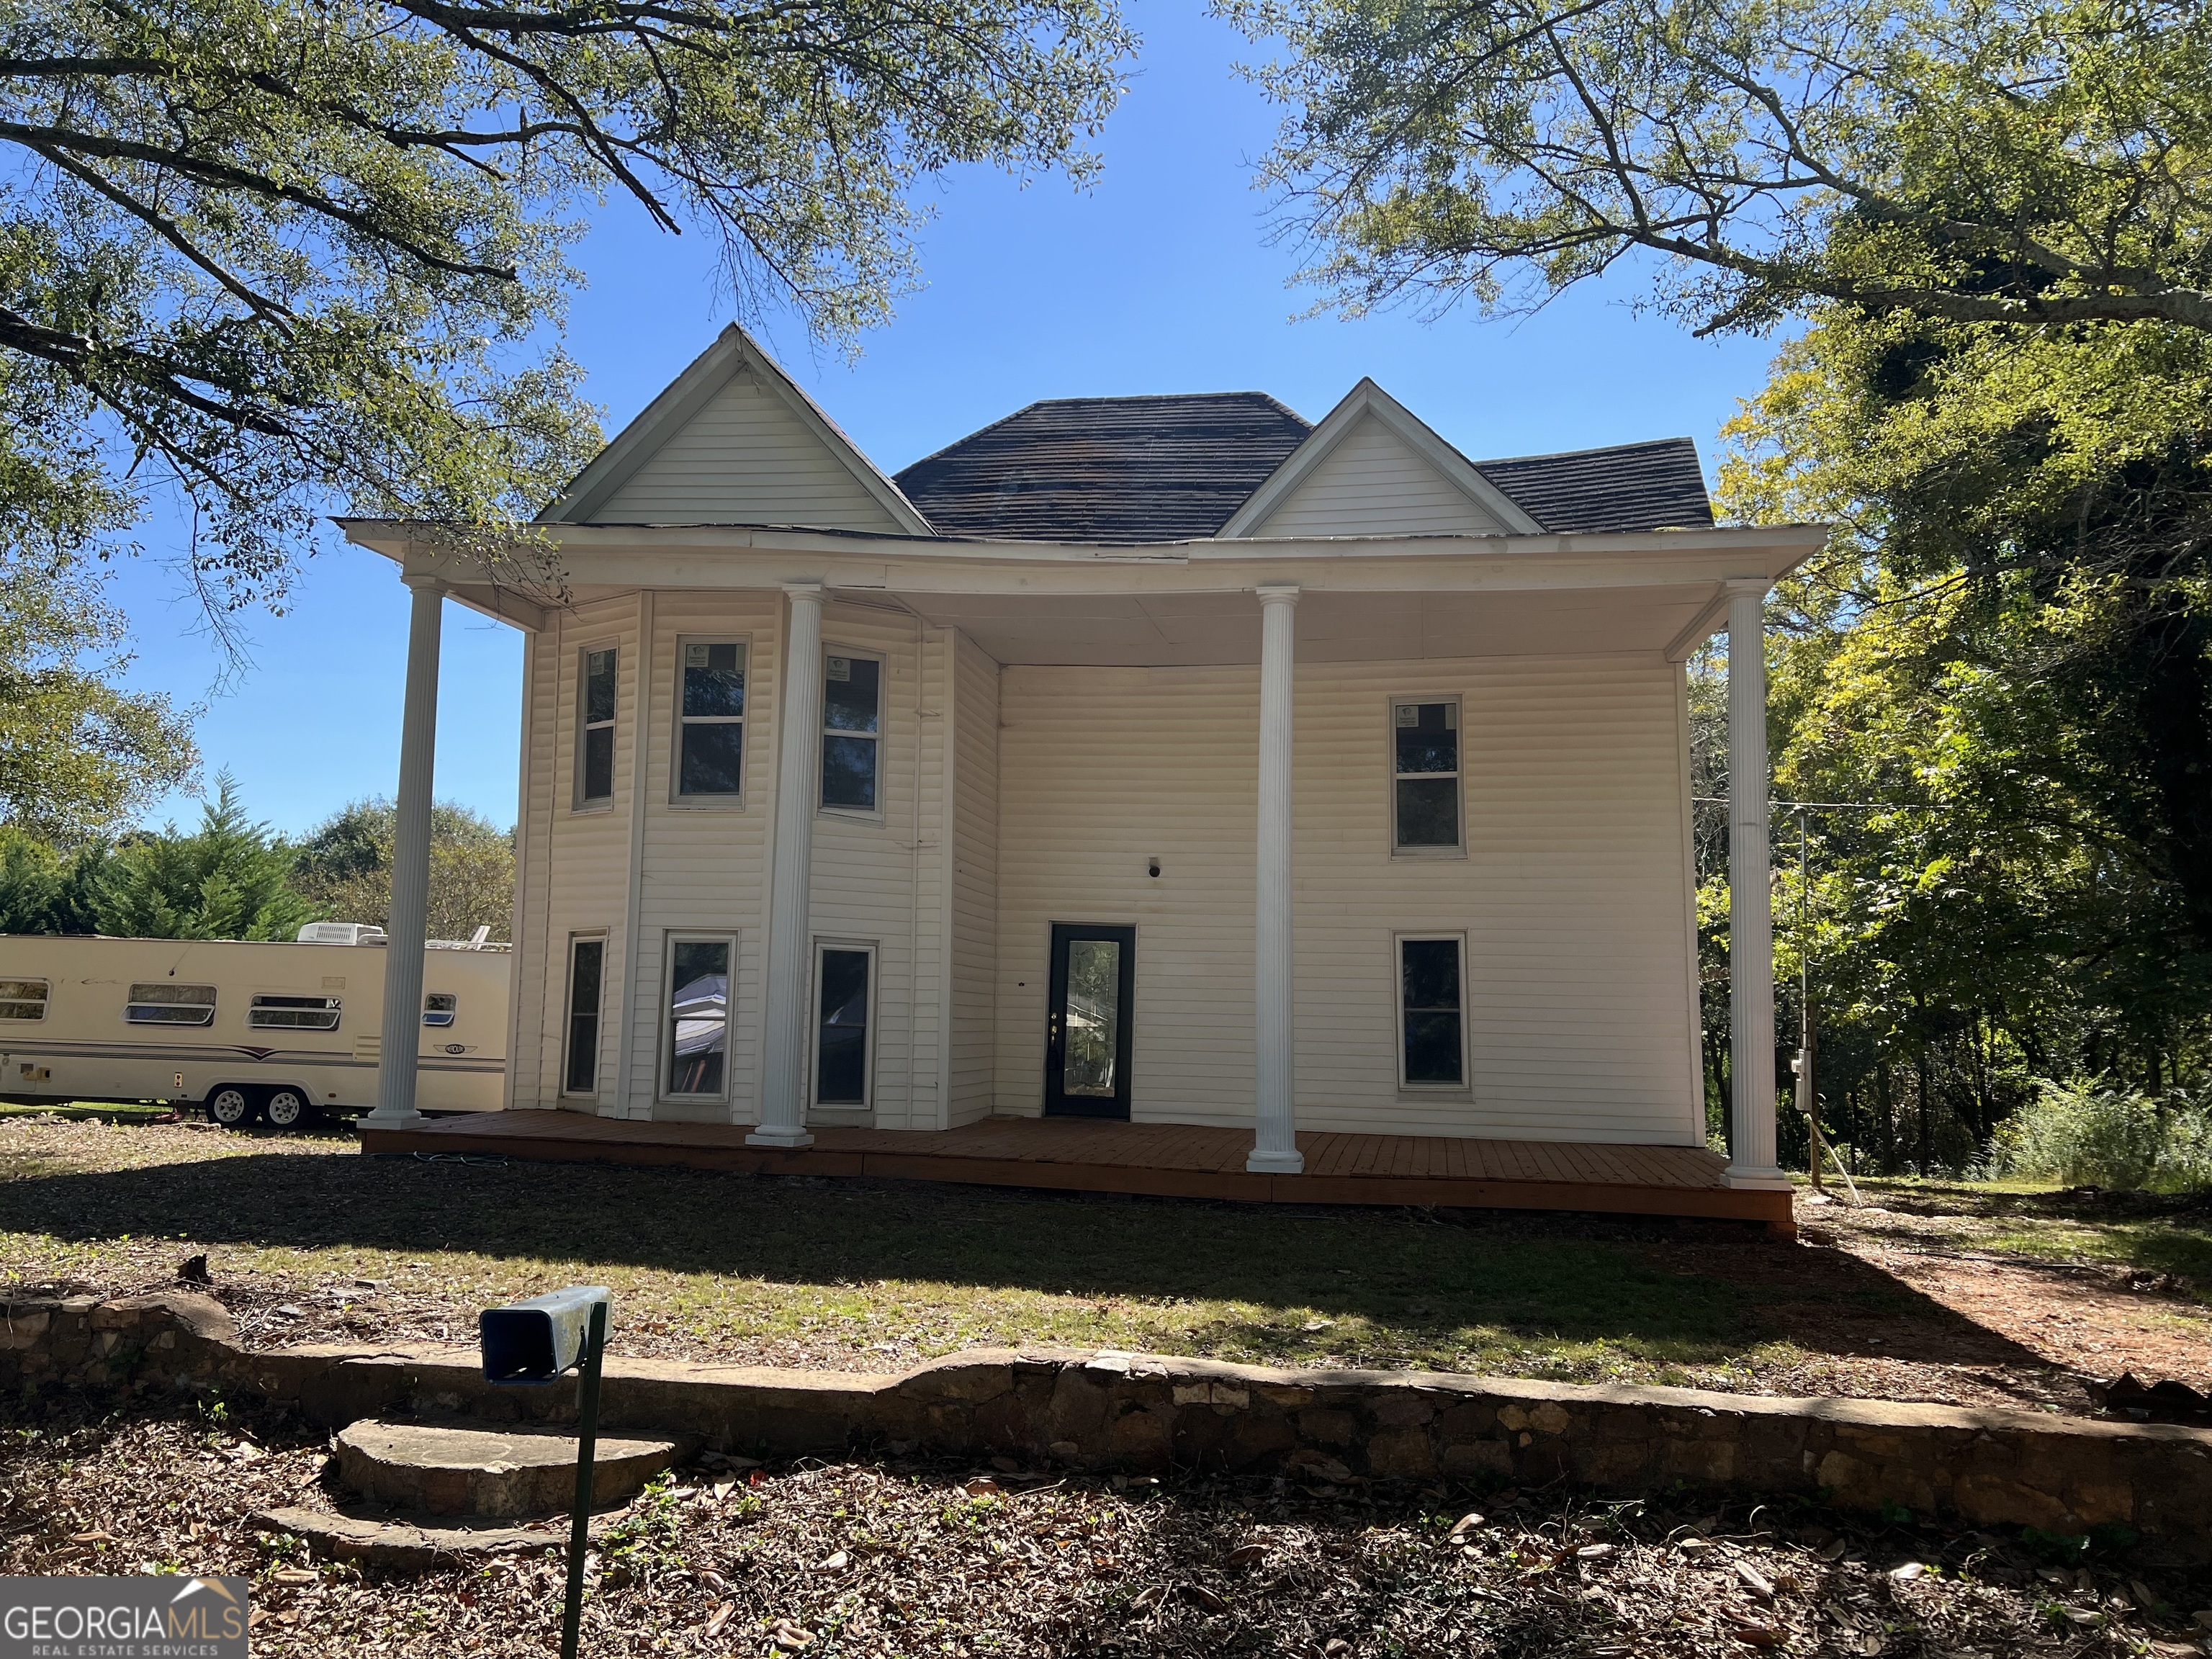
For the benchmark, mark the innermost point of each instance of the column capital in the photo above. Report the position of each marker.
(1737, 588)
(1278, 592)
(801, 591)
(422, 582)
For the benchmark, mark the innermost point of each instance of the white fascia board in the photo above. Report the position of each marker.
(734, 352)
(1369, 398)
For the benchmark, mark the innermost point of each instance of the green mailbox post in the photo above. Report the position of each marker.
(533, 1344)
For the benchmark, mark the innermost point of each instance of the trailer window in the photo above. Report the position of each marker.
(274, 1013)
(164, 1004)
(22, 999)
(439, 1008)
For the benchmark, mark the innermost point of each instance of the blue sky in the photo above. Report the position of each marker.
(1160, 278)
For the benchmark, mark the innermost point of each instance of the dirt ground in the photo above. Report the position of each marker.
(858, 1561)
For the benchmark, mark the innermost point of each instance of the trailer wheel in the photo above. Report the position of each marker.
(231, 1107)
(287, 1108)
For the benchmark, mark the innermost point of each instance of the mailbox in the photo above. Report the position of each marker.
(541, 1339)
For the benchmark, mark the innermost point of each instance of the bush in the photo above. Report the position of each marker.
(2091, 1132)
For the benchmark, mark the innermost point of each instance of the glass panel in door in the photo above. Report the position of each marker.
(1088, 1035)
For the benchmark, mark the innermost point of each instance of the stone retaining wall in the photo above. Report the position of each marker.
(1145, 1415)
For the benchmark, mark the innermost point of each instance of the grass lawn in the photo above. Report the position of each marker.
(834, 1273)
(2154, 1232)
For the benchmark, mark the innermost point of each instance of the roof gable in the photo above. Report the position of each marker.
(1148, 469)
(1372, 468)
(735, 439)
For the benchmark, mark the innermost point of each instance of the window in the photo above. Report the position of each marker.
(852, 729)
(1432, 1016)
(698, 1016)
(1424, 788)
(710, 724)
(595, 728)
(841, 976)
(293, 1013)
(22, 999)
(579, 1074)
(440, 1008)
(165, 1004)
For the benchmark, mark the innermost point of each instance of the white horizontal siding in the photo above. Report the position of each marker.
(1572, 894)
(745, 459)
(1373, 484)
(974, 966)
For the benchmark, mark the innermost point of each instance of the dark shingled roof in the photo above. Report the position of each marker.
(1106, 469)
(1654, 486)
(1171, 468)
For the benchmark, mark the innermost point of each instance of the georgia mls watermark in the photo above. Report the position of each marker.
(156, 1617)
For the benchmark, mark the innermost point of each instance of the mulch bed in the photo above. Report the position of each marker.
(899, 1557)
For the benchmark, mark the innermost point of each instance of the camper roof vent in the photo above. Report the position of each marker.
(341, 932)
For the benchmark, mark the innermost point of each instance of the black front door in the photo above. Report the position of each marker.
(1086, 1051)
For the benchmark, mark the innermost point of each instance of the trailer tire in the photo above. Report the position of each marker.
(232, 1106)
(288, 1108)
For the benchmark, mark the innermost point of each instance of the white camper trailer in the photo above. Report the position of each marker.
(281, 1031)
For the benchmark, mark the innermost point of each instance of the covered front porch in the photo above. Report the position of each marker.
(1164, 1160)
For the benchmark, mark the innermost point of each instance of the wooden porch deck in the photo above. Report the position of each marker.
(1169, 1160)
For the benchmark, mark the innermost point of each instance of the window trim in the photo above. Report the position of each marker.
(1398, 941)
(880, 737)
(578, 800)
(294, 1002)
(1393, 776)
(210, 1005)
(664, 1049)
(676, 721)
(45, 999)
(598, 937)
(867, 1103)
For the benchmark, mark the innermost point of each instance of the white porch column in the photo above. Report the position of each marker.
(1751, 904)
(399, 1047)
(1275, 1141)
(790, 933)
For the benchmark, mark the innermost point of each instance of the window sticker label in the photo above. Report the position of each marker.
(840, 668)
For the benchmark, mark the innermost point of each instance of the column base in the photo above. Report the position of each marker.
(789, 1140)
(1261, 1162)
(1767, 1179)
(409, 1118)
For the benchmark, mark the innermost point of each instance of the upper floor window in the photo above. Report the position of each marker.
(595, 728)
(166, 1003)
(852, 732)
(272, 1013)
(710, 720)
(1424, 782)
(23, 999)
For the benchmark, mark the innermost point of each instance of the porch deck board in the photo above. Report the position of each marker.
(1176, 1160)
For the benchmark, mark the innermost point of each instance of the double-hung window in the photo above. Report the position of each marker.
(23, 999)
(1431, 1012)
(852, 732)
(844, 977)
(165, 1002)
(698, 1034)
(1425, 793)
(580, 1070)
(281, 1013)
(595, 727)
(710, 720)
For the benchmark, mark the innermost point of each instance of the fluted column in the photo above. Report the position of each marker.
(398, 1050)
(1275, 1140)
(1751, 902)
(790, 929)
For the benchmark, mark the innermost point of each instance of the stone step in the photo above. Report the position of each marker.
(420, 1542)
(440, 1468)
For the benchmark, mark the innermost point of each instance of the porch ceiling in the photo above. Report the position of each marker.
(1180, 630)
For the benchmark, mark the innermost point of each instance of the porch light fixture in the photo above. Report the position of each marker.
(531, 1344)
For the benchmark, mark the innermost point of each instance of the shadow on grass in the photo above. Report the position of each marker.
(1669, 1293)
